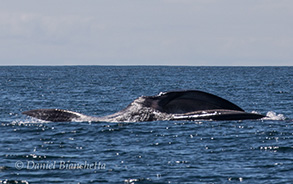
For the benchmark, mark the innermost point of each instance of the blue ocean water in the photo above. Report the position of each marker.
(249, 151)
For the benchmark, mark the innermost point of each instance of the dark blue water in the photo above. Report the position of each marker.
(250, 151)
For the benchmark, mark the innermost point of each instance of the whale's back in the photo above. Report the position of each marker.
(189, 101)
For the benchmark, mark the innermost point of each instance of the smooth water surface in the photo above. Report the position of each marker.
(250, 151)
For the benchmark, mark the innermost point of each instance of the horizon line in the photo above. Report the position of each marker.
(159, 65)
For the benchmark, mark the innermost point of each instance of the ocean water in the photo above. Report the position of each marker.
(249, 151)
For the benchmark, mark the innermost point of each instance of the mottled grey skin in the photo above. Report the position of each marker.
(177, 105)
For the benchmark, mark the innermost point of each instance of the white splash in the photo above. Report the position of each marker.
(271, 115)
(28, 121)
(162, 93)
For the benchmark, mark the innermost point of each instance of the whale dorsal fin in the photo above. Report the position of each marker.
(192, 100)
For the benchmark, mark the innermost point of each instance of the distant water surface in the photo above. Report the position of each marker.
(250, 151)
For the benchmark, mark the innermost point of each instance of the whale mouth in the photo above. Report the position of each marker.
(217, 114)
(175, 105)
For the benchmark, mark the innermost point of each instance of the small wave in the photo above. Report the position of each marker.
(134, 180)
(271, 115)
(13, 181)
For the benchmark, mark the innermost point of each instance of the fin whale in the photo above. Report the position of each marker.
(174, 105)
